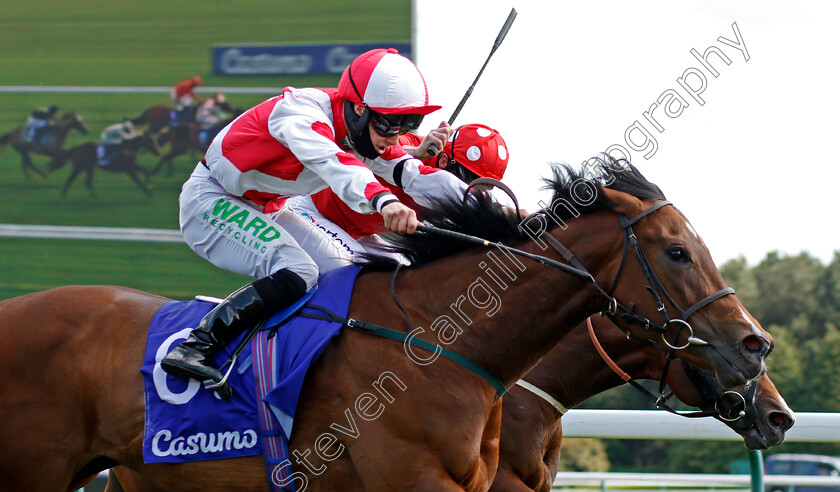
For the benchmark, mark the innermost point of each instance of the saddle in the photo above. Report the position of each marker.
(106, 154)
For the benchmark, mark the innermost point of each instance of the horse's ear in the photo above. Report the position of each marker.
(625, 203)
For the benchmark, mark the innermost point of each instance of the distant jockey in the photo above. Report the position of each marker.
(185, 99)
(210, 116)
(37, 123)
(112, 139)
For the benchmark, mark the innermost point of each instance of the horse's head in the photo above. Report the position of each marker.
(74, 121)
(656, 278)
(684, 293)
(757, 411)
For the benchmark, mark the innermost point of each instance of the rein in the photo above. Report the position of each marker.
(628, 314)
(577, 269)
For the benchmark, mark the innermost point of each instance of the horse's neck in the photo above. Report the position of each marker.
(574, 371)
(512, 311)
(61, 129)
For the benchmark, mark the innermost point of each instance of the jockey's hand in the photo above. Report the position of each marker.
(439, 136)
(399, 218)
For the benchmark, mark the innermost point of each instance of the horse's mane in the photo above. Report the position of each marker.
(483, 217)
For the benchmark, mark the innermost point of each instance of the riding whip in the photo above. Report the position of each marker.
(432, 150)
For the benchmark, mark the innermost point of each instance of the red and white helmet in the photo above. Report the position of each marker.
(480, 149)
(386, 82)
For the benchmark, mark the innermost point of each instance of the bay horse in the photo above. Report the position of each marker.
(574, 370)
(52, 141)
(85, 160)
(67, 417)
(531, 433)
(157, 118)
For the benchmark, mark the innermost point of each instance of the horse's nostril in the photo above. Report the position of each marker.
(752, 343)
(756, 345)
(781, 420)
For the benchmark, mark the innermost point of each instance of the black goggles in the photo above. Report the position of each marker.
(388, 125)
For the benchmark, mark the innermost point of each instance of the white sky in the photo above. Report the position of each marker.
(754, 168)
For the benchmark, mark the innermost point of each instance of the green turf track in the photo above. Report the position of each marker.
(148, 43)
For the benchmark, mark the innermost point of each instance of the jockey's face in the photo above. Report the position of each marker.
(379, 142)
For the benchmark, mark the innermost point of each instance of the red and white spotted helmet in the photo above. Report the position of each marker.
(386, 82)
(480, 149)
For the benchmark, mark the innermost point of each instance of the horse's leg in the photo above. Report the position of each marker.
(163, 160)
(73, 175)
(114, 484)
(28, 164)
(132, 172)
(89, 180)
(122, 479)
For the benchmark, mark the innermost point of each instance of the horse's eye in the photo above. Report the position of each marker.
(678, 253)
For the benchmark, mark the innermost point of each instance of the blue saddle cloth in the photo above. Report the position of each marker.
(105, 154)
(185, 422)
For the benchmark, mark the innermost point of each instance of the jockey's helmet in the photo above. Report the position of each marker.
(478, 148)
(392, 91)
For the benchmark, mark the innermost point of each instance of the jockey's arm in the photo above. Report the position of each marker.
(423, 183)
(307, 131)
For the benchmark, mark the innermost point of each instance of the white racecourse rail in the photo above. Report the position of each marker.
(655, 424)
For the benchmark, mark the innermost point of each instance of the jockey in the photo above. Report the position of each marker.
(112, 138)
(183, 94)
(473, 151)
(232, 208)
(211, 115)
(185, 100)
(39, 120)
(212, 111)
(117, 133)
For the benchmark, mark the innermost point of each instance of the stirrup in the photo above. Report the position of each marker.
(222, 387)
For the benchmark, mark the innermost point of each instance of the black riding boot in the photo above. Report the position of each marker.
(239, 311)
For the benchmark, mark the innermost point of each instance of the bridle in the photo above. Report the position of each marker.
(614, 309)
(743, 411)
(657, 290)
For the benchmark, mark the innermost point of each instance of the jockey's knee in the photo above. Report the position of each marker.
(308, 272)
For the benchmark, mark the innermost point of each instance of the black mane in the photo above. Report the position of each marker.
(483, 217)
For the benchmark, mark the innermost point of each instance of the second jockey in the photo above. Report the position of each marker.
(232, 208)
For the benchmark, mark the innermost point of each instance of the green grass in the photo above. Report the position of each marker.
(166, 269)
(149, 43)
(158, 42)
